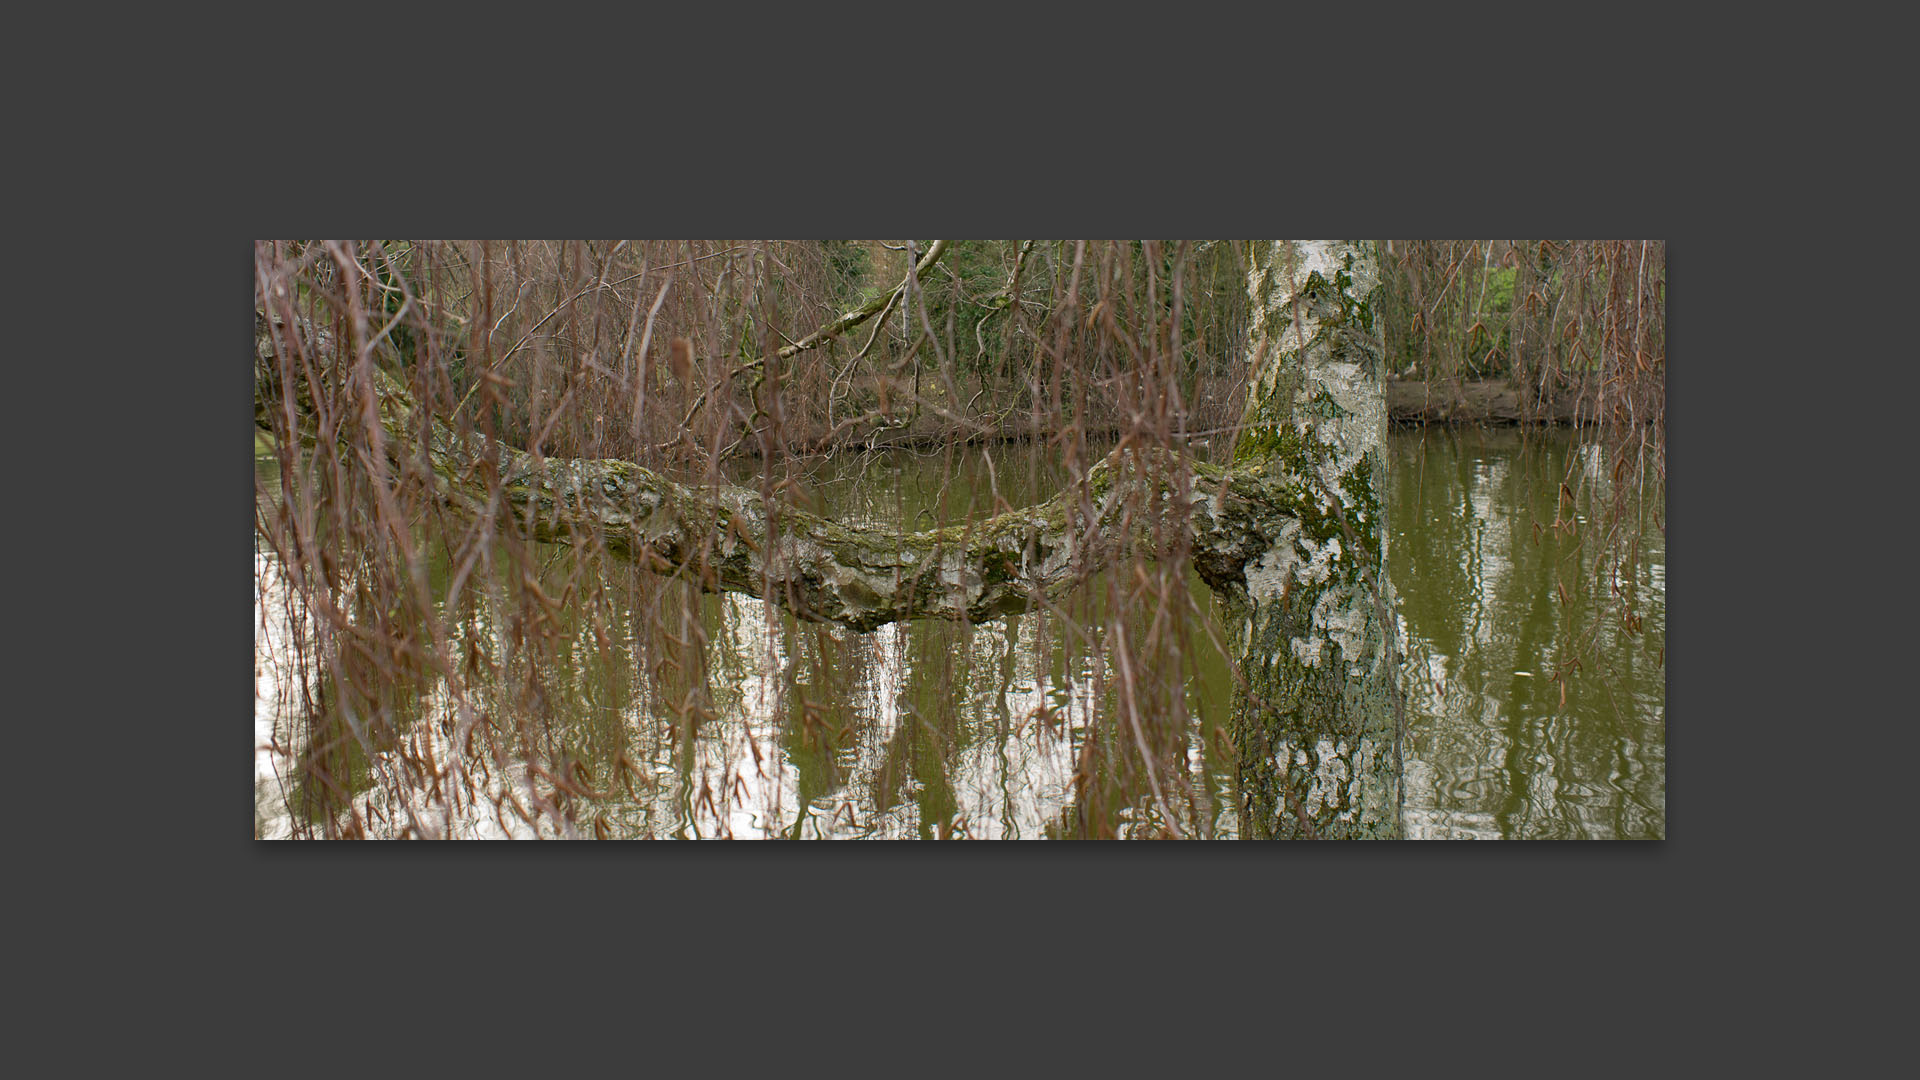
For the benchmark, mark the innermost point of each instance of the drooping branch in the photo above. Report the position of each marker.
(733, 539)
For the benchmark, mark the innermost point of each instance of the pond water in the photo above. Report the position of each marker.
(1532, 710)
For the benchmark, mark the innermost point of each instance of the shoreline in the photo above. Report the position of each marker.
(1496, 403)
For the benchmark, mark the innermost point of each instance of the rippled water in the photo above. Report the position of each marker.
(705, 716)
(1497, 751)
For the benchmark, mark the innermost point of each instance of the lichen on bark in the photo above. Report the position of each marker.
(734, 539)
(1316, 728)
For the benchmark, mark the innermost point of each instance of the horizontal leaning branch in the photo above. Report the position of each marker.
(863, 577)
(732, 539)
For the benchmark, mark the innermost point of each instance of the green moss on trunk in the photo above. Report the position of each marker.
(1315, 728)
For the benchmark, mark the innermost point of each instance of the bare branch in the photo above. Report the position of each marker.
(879, 303)
(867, 310)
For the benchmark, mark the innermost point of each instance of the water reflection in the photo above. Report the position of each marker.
(1533, 710)
(696, 716)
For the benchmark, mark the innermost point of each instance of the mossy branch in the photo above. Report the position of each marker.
(732, 539)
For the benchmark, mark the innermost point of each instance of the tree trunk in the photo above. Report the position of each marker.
(1317, 728)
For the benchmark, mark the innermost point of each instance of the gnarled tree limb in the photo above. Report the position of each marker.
(733, 539)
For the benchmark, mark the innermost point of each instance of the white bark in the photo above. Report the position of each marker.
(1318, 729)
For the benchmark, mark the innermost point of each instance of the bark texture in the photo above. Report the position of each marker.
(1316, 730)
(735, 539)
